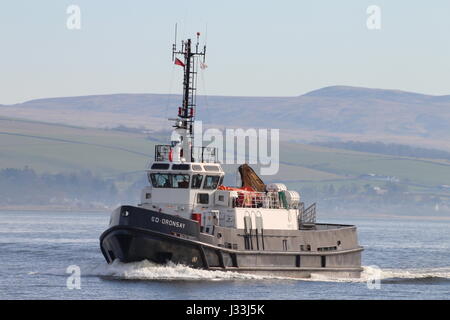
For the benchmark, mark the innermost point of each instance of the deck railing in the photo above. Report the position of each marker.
(253, 199)
(308, 216)
(204, 154)
(199, 154)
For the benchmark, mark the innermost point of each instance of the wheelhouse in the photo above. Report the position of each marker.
(185, 175)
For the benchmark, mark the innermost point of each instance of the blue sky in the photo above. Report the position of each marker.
(255, 48)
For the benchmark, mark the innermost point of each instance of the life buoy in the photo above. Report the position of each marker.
(170, 155)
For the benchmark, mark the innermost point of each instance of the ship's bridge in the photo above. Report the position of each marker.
(185, 175)
(177, 187)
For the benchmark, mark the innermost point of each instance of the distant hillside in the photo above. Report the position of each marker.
(332, 113)
(362, 110)
(390, 149)
(38, 156)
(112, 153)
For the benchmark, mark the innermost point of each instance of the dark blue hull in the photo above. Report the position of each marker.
(137, 234)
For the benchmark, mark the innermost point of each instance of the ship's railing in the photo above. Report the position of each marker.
(162, 152)
(307, 216)
(251, 199)
(199, 154)
(204, 154)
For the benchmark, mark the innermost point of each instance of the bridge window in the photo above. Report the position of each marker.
(180, 181)
(197, 167)
(197, 181)
(160, 166)
(211, 168)
(167, 180)
(211, 182)
(161, 180)
(180, 166)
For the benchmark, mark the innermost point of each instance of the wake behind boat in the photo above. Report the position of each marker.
(188, 216)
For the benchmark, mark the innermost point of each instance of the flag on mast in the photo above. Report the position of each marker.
(179, 62)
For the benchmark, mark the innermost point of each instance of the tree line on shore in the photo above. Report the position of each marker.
(83, 188)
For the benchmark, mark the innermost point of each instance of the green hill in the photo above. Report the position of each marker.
(60, 148)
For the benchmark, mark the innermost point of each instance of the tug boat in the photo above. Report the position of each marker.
(187, 216)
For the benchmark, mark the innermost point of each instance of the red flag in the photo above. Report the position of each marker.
(178, 62)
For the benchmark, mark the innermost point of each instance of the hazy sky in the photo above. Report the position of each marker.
(262, 48)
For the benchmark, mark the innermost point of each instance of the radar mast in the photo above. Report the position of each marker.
(184, 124)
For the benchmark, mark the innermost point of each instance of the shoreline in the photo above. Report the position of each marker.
(44, 208)
(377, 215)
(391, 216)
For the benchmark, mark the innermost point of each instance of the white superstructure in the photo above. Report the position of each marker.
(194, 190)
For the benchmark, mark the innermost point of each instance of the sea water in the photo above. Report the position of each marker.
(43, 253)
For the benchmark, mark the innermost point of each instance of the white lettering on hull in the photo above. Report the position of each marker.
(168, 222)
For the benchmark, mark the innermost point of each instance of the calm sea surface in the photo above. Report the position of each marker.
(36, 249)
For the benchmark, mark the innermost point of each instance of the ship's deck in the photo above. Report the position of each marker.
(328, 226)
